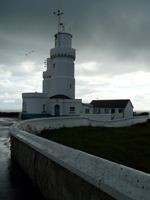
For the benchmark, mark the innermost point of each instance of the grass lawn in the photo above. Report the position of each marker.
(129, 146)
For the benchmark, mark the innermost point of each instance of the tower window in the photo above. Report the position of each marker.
(53, 65)
(43, 107)
(70, 86)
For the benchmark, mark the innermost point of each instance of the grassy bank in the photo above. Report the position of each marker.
(129, 146)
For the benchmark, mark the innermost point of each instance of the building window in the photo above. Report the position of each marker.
(53, 65)
(72, 108)
(70, 86)
(43, 107)
(106, 111)
(120, 110)
(112, 110)
(86, 111)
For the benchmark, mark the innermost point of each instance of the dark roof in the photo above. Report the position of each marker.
(118, 103)
(87, 104)
(60, 96)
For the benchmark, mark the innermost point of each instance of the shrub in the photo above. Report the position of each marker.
(144, 113)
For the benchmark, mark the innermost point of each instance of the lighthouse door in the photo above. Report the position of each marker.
(57, 110)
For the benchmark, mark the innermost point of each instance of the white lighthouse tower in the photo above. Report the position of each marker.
(59, 76)
(58, 95)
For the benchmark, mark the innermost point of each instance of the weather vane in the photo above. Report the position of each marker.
(59, 19)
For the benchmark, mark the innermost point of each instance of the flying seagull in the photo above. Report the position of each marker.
(29, 53)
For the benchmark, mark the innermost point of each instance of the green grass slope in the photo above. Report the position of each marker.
(129, 146)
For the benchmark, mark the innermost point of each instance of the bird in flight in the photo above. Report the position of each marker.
(29, 53)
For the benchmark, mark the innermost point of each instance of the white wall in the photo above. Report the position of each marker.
(34, 102)
(76, 103)
(128, 111)
(37, 125)
(59, 50)
(65, 105)
(46, 85)
(84, 106)
(46, 77)
(63, 39)
(102, 110)
(103, 117)
(120, 182)
(58, 78)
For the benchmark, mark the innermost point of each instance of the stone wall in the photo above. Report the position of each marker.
(103, 117)
(36, 125)
(53, 180)
(61, 172)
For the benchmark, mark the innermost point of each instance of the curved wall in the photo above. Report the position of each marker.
(61, 172)
(36, 125)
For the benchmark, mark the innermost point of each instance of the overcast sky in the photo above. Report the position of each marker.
(111, 38)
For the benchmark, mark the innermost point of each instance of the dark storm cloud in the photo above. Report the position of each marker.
(112, 33)
(118, 34)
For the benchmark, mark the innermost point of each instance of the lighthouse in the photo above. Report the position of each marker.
(59, 76)
(58, 94)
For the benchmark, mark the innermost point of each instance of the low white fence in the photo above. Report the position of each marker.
(103, 117)
(36, 125)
